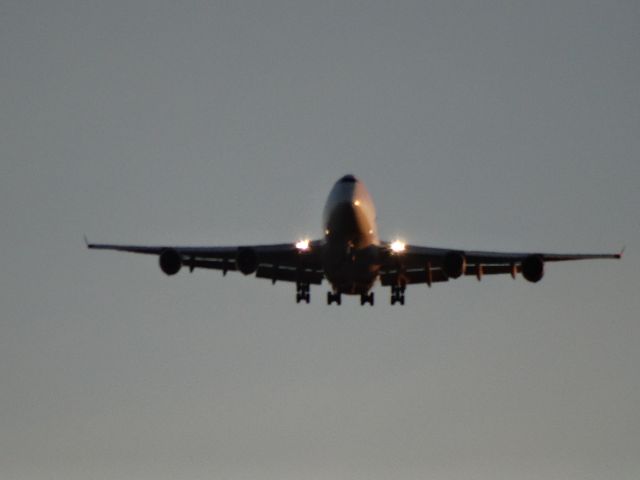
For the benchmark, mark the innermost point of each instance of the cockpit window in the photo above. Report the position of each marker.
(348, 179)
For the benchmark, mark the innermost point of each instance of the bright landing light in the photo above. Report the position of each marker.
(397, 246)
(303, 245)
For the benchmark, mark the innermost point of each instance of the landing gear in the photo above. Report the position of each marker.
(397, 294)
(334, 297)
(302, 292)
(366, 298)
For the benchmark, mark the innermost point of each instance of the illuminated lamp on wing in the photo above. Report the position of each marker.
(303, 245)
(397, 246)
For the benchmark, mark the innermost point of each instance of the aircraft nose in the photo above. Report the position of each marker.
(347, 179)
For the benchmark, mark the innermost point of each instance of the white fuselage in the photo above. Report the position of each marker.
(351, 261)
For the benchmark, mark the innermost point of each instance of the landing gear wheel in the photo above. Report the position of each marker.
(366, 298)
(334, 297)
(397, 294)
(303, 293)
(303, 296)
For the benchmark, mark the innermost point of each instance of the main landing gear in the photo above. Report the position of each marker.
(397, 294)
(302, 292)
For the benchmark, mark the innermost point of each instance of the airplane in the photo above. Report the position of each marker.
(350, 256)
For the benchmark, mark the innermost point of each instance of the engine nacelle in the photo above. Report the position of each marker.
(454, 264)
(246, 260)
(533, 268)
(170, 261)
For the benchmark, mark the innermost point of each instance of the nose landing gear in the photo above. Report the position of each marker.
(366, 298)
(334, 297)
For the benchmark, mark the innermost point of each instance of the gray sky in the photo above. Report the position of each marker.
(485, 125)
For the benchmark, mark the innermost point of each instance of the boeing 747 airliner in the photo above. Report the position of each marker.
(350, 256)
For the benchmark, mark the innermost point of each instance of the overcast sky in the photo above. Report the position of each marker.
(475, 124)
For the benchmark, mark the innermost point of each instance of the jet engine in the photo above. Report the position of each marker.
(246, 260)
(170, 261)
(533, 268)
(454, 264)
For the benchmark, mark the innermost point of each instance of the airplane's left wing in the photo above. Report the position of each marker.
(301, 262)
(416, 264)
